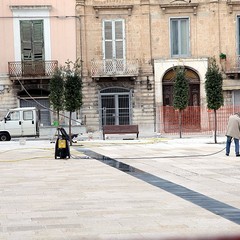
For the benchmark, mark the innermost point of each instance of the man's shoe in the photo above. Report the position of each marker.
(237, 155)
(227, 154)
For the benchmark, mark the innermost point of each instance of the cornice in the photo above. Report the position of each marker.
(98, 8)
(182, 7)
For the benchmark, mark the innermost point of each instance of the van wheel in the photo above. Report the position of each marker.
(5, 137)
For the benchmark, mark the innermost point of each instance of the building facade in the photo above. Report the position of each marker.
(36, 36)
(129, 49)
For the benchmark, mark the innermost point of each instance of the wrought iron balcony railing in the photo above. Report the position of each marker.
(114, 68)
(31, 69)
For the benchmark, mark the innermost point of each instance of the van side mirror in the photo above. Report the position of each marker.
(5, 119)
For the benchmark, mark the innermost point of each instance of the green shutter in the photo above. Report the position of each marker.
(32, 42)
(37, 40)
(26, 39)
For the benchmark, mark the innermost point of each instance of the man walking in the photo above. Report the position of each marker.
(233, 132)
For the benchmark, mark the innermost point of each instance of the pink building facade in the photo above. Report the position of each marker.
(35, 37)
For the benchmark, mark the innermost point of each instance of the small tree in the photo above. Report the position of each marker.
(180, 94)
(56, 92)
(213, 87)
(73, 91)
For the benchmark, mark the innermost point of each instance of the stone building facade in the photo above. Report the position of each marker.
(129, 49)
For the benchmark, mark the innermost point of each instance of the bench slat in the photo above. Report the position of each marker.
(120, 129)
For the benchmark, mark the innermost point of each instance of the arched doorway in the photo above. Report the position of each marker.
(115, 104)
(37, 98)
(191, 115)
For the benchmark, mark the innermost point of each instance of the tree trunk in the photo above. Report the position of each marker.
(180, 123)
(215, 125)
(58, 117)
(70, 128)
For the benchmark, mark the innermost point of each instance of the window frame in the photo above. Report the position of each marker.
(238, 35)
(114, 39)
(179, 54)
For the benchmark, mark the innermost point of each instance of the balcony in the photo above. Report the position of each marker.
(233, 68)
(114, 68)
(31, 69)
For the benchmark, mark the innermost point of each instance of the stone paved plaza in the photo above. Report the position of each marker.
(177, 188)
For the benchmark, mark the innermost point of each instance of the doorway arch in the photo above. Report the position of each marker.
(191, 115)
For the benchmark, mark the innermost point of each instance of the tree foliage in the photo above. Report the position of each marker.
(213, 86)
(180, 90)
(180, 94)
(73, 91)
(66, 90)
(57, 92)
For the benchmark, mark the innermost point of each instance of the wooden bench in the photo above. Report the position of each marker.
(120, 129)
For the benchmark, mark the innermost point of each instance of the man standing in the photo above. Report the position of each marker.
(233, 132)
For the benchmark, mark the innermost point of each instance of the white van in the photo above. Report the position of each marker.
(20, 122)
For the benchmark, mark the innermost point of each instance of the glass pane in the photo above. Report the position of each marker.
(184, 37)
(174, 37)
(108, 110)
(123, 104)
(238, 37)
(14, 116)
(27, 115)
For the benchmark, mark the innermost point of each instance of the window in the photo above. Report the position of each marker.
(13, 116)
(28, 115)
(115, 106)
(114, 39)
(32, 47)
(113, 46)
(32, 44)
(238, 35)
(179, 30)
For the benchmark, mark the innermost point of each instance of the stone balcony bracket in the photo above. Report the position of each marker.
(101, 8)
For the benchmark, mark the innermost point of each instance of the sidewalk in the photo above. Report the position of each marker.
(184, 188)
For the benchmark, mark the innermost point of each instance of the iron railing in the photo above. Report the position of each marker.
(22, 69)
(195, 119)
(114, 67)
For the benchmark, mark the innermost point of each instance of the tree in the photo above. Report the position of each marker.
(56, 92)
(73, 91)
(213, 87)
(180, 94)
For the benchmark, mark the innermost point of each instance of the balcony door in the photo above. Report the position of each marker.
(32, 47)
(113, 46)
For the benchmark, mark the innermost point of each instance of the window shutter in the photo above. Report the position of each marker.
(26, 39)
(119, 39)
(32, 42)
(108, 41)
(114, 39)
(38, 43)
